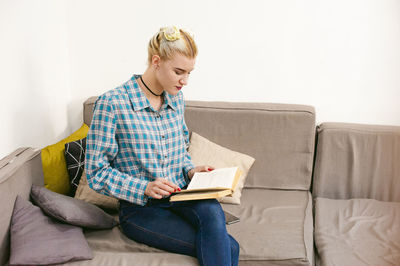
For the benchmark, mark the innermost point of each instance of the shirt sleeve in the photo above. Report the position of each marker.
(187, 162)
(101, 149)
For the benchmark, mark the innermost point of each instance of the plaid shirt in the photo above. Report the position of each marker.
(130, 144)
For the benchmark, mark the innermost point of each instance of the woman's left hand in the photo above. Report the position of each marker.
(202, 168)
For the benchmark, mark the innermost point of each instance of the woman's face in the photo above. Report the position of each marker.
(173, 74)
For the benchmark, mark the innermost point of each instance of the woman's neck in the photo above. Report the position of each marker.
(150, 80)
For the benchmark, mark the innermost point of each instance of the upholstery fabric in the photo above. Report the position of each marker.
(205, 152)
(54, 165)
(17, 173)
(357, 232)
(276, 227)
(75, 159)
(357, 161)
(281, 139)
(71, 210)
(129, 258)
(38, 240)
(85, 193)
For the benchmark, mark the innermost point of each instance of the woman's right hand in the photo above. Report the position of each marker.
(160, 187)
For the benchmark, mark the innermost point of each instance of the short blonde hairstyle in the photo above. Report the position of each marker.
(170, 40)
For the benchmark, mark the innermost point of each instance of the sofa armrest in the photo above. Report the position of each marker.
(18, 171)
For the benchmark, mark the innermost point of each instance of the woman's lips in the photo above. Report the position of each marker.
(179, 88)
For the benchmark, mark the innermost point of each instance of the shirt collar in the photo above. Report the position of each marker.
(139, 100)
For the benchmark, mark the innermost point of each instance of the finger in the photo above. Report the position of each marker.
(156, 196)
(204, 168)
(162, 191)
(165, 187)
(171, 187)
(153, 193)
(210, 168)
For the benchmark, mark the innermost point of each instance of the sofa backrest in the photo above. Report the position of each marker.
(18, 171)
(357, 161)
(279, 136)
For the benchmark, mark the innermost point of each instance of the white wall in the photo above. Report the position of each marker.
(340, 56)
(35, 92)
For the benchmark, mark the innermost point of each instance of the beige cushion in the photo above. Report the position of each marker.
(85, 193)
(357, 232)
(275, 228)
(357, 161)
(279, 136)
(205, 152)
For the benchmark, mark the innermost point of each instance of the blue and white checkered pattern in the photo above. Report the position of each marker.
(130, 144)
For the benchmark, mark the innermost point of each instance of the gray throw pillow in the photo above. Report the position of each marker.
(71, 210)
(36, 239)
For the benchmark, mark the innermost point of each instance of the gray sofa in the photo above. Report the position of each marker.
(276, 210)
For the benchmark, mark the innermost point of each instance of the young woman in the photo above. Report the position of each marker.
(136, 152)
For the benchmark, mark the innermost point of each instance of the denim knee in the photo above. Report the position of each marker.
(212, 212)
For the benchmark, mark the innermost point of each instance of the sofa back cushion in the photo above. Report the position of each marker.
(279, 136)
(18, 171)
(357, 161)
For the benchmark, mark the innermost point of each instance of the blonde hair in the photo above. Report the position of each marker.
(170, 40)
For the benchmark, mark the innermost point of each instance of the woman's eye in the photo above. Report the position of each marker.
(178, 73)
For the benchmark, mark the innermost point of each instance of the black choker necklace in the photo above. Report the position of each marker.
(148, 87)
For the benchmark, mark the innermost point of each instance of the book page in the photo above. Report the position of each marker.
(218, 178)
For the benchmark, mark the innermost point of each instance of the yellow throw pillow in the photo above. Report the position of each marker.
(85, 193)
(205, 152)
(54, 165)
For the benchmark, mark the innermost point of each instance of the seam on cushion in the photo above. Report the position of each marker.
(304, 226)
(316, 167)
(356, 130)
(249, 109)
(263, 260)
(278, 189)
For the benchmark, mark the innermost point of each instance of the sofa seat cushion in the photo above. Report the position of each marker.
(115, 241)
(357, 232)
(112, 247)
(275, 226)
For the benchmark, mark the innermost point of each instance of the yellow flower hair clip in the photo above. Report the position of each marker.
(171, 33)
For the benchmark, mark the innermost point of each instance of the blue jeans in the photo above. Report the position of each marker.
(195, 228)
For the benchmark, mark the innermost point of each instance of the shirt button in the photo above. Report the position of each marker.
(163, 136)
(165, 156)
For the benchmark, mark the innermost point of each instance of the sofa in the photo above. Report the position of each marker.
(291, 212)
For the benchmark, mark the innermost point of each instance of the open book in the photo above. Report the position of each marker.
(210, 185)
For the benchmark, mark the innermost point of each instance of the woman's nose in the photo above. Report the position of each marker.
(183, 81)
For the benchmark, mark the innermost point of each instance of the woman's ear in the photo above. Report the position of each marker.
(155, 61)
